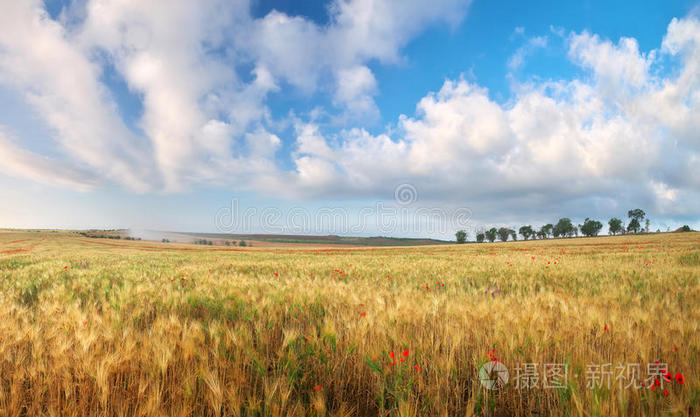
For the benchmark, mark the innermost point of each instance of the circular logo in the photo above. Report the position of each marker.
(405, 194)
(493, 375)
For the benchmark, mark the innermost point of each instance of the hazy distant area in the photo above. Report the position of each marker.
(221, 238)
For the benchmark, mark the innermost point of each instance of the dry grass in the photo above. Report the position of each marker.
(141, 328)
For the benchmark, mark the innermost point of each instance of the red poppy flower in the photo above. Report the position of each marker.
(318, 388)
(363, 314)
(276, 274)
(391, 354)
(675, 348)
(606, 328)
(657, 382)
(665, 393)
(405, 352)
(417, 367)
(679, 378)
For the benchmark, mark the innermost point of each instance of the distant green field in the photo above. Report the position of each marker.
(324, 240)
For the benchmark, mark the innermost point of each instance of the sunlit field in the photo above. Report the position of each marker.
(105, 327)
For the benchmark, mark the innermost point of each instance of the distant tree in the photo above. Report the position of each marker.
(491, 234)
(513, 234)
(637, 215)
(571, 231)
(646, 225)
(563, 228)
(591, 227)
(541, 234)
(615, 226)
(242, 243)
(547, 230)
(504, 232)
(686, 228)
(527, 232)
(480, 237)
(227, 243)
(165, 241)
(633, 226)
(461, 236)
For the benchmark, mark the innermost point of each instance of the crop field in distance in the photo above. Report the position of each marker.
(602, 326)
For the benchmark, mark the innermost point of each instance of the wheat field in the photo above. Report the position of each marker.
(98, 327)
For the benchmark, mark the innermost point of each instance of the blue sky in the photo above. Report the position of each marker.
(119, 114)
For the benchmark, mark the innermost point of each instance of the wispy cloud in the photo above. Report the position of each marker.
(18, 162)
(532, 44)
(38, 58)
(180, 58)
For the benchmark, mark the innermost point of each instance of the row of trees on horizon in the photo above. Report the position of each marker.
(563, 228)
(211, 242)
